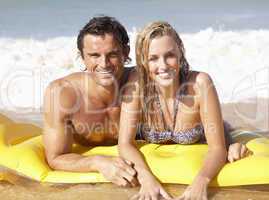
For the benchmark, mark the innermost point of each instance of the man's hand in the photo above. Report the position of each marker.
(117, 170)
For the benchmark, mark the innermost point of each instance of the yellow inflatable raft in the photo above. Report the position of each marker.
(23, 152)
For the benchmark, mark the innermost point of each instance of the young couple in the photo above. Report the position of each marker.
(104, 105)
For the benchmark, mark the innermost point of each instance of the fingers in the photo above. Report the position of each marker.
(194, 192)
(134, 182)
(230, 159)
(130, 170)
(147, 197)
(127, 172)
(129, 162)
(125, 175)
(120, 182)
(151, 195)
(189, 197)
(127, 165)
(230, 154)
(234, 152)
(237, 151)
(154, 197)
(136, 196)
(243, 151)
(165, 194)
(139, 196)
(187, 194)
(204, 198)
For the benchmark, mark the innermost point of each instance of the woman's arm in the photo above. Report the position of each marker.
(129, 120)
(211, 118)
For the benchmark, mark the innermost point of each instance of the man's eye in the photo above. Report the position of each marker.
(94, 55)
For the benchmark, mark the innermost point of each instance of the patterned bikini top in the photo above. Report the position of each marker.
(188, 136)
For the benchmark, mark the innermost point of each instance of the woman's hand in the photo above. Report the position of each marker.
(197, 190)
(150, 189)
(237, 151)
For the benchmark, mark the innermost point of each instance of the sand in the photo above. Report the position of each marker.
(252, 115)
(109, 191)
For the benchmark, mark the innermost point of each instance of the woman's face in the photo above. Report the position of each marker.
(163, 60)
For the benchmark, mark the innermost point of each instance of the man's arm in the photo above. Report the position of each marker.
(59, 104)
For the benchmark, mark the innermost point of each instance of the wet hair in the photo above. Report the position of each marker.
(149, 91)
(100, 26)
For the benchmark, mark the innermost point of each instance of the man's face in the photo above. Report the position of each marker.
(104, 57)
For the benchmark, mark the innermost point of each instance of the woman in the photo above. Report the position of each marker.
(174, 105)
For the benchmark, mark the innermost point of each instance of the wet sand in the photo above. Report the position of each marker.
(109, 191)
(248, 116)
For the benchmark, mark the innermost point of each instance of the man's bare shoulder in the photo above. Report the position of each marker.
(69, 84)
(133, 76)
(132, 87)
(133, 80)
(78, 76)
(63, 92)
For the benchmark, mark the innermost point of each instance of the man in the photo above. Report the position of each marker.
(84, 107)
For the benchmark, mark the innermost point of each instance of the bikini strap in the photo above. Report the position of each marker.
(176, 103)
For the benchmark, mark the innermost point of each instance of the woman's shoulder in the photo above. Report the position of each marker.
(198, 78)
(198, 83)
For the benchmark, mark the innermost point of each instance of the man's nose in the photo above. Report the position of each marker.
(103, 62)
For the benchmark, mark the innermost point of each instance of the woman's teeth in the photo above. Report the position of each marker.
(163, 74)
(105, 72)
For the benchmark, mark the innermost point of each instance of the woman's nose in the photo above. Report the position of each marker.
(162, 64)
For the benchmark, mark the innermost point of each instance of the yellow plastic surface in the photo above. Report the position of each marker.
(24, 154)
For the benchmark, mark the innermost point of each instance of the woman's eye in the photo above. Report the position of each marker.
(114, 56)
(170, 55)
(152, 59)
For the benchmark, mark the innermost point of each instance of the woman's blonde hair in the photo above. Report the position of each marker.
(148, 92)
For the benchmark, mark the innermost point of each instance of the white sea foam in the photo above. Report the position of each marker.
(238, 62)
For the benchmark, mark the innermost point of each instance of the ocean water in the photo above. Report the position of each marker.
(227, 39)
